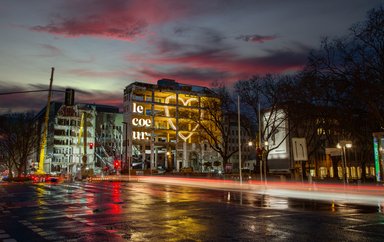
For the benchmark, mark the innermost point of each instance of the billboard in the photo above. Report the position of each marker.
(275, 126)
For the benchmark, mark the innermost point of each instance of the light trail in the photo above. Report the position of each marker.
(357, 194)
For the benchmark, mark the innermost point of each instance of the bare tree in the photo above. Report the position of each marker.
(18, 141)
(214, 126)
(216, 122)
(348, 74)
(265, 93)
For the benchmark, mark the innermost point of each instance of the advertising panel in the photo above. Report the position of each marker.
(377, 158)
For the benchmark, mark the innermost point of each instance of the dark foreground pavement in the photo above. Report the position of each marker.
(134, 211)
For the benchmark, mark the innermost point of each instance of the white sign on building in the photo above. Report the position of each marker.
(275, 124)
(299, 149)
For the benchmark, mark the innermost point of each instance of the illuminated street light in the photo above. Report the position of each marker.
(250, 143)
(343, 144)
(265, 154)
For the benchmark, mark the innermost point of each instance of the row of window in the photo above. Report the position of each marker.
(107, 127)
(352, 172)
(172, 100)
(61, 132)
(62, 150)
(111, 136)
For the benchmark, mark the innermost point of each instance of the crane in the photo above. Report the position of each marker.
(43, 143)
(83, 132)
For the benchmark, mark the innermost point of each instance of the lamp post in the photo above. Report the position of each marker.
(250, 143)
(127, 161)
(265, 155)
(343, 144)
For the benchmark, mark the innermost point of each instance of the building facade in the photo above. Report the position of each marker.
(161, 126)
(81, 138)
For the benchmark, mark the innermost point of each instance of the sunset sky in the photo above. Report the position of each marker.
(98, 47)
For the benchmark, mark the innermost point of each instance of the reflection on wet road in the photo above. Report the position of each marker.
(136, 211)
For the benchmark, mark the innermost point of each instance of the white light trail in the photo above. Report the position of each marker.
(357, 194)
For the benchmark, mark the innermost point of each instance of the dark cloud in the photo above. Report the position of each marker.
(200, 34)
(204, 65)
(226, 60)
(256, 38)
(189, 75)
(50, 51)
(285, 58)
(211, 36)
(168, 46)
(15, 98)
(35, 101)
(192, 41)
(181, 30)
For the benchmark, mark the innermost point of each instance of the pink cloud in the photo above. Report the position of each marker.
(113, 19)
(98, 27)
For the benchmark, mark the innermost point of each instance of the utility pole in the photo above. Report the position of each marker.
(43, 143)
(239, 137)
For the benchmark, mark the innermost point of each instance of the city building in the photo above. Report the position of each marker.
(313, 149)
(162, 126)
(81, 138)
(108, 139)
(248, 152)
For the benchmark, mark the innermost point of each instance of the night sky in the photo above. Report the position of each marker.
(100, 46)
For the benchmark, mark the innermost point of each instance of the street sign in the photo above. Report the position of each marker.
(333, 151)
(299, 146)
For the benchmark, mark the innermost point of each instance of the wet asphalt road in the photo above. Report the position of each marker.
(114, 211)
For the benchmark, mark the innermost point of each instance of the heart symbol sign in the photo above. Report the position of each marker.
(185, 103)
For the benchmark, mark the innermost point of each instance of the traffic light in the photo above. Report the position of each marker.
(116, 164)
(91, 146)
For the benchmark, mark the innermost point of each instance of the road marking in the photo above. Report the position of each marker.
(45, 234)
(4, 236)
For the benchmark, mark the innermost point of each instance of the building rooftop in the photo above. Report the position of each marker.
(169, 84)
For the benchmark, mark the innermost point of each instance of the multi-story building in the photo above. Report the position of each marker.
(109, 137)
(81, 136)
(248, 152)
(161, 125)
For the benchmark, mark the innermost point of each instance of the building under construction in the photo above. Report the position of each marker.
(81, 138)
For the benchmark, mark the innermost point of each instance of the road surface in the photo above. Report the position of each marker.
(144, 211)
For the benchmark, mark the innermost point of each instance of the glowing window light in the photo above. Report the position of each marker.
(185, 103)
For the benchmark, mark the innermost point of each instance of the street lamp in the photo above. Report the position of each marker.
(126, 150)
(343, 144)
(265, 154)
(250, 143)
